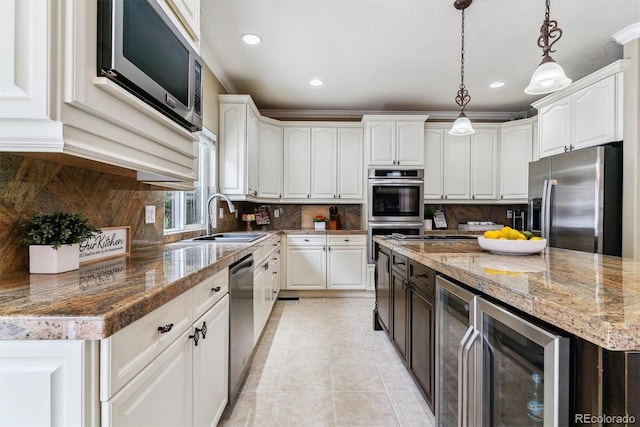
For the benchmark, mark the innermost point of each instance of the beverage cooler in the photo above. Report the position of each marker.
(496, 368)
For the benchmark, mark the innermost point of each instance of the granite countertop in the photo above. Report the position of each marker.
(103, 297)
(595, 297)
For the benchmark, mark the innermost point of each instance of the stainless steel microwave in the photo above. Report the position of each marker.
(140, 49)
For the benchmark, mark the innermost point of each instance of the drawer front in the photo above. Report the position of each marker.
(128, 351)
(210, 291)
(399, 263)
(306, 240)
(347, 240)
(423, 278)
(263, 249)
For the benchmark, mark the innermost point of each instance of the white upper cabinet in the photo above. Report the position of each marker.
(188, 12)
(587, 113)
(394, 140)
(297, 163)
(324, 162)
(516, 150)
(350, 164)
(457, 167)
(52, 102)
(433, 167)
(484, 164)
(269, 161)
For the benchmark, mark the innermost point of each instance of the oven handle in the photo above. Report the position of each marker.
(396, 182)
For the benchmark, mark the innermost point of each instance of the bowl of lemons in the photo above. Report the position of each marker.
(509, 241)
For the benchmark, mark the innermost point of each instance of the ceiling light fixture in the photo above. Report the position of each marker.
(250, 38)
(462, 125)
(496, 85)
(549, 76)
(316, 82)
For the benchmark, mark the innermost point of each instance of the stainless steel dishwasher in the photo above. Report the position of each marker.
(240, 322)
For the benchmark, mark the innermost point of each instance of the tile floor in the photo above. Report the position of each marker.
(320, 363)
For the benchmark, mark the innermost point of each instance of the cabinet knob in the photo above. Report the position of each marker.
(445, 196)
(571, 147)
(166, 328)
(308, 195)
(195, 337)
(334, 196)
(566, 148)
(502, 196)
(204, 330)
(216, 289)
(306, 240)
(473, 197)
(338, 196)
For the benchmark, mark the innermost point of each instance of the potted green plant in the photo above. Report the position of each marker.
(53, 241)
(429, 213)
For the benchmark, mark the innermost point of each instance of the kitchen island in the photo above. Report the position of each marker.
(592, 299)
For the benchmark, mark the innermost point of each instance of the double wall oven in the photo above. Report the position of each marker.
(395, 203)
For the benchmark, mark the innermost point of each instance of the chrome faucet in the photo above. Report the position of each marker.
(207, 221)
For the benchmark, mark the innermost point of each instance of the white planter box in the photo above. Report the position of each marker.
(320, 225)
(45, 259)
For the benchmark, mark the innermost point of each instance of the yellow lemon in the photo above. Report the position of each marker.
(536, 238)
(506, 229)
(490, 234)
(515, 235)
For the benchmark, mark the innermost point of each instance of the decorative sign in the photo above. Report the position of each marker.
(111, 242)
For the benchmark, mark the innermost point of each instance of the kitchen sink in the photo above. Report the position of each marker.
(241, 237)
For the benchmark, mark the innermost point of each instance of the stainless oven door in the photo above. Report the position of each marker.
(396, 200)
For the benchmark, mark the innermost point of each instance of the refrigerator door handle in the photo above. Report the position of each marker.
(543, 210)
(462, 372)
(546, 207)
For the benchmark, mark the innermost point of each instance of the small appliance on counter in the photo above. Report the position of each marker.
(479, 226)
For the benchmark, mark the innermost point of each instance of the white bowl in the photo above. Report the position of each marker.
(512, 247)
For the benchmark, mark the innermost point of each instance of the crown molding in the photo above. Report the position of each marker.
(630, 33)
(357, 114)
(217, 70)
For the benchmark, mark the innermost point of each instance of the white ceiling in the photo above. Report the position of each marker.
(400, 55)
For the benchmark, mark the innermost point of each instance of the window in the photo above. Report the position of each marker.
(184, 210)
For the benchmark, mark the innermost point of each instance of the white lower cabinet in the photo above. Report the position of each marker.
(48, 383)
(186, 381)
(326, 262)
(211, 366)
(267, 271)
(160, 395)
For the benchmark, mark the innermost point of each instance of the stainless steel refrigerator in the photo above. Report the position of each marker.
(575, 199)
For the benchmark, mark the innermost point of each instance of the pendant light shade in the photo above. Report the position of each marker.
(462, 125)
(549, 76)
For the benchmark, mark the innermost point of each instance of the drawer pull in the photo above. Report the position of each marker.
(204, 330)
(426, 276)
(216, 289)
(196, 334)
(347, 240)
(306, 240)
(166, 328)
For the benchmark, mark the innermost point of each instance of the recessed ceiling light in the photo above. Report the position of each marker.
(316, 82)
(496, 84)
(251, 38)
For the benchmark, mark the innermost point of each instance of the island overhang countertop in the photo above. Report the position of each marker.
(595, 297)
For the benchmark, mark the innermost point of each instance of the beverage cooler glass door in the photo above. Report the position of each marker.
(454, 311)
(525, 371)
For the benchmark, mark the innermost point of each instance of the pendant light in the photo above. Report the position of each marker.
(549, 76)
(462, 125)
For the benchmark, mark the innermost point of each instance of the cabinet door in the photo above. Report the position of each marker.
(189, 13)
(270, 162)
(350, 160)
(594, 114)
(297, 163)
(410, 143)
(399, 313)
(382, 143)
(211, 366)
(383, 290)
(44, 383)
(306, 267)
(160, 395)
(484, 164)
(554, 127)
(515, 155)
(233, 128)
(252, 151)
(346, 267)
(261, 279)
(433, 168)
(323, 163)
(457, 162)
(421, 361)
